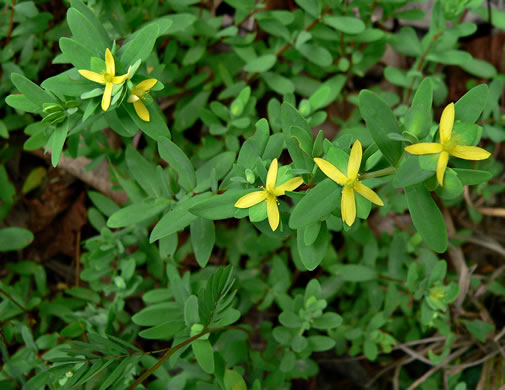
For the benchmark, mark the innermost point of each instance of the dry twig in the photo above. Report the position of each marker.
(98, 178)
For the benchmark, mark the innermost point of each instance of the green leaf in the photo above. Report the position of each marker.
(497, 17)
(234, 381)
(312, 7)
(321, 343)
(76, 53)
(139, 45)
(32, 91)
(453, 188)
(155, 128)
(479, 329)
(68, 83)
(470, 177)
(410, 173)
(143, 171)
(424, 95)
(471, 104)
(84, 294)
(203, 236)
(290, 320)
(178, 160)
(216, 297)
(164, 331)
(219, 206)
(57, 141)
(354, 272)
(86, 33)
(438, 272)
(189, 113)
(14, 238)
(370, 349)
(479, 68)
(4, 132)
(89, 14)
(106, 205)
(191, 311)
(290, 117)
(345, 24)
(327, 321)
(124, 366)
(193, 55)
(311, 232)
(221, 163)
(120, 122)
(177, 219)
(450, 57)
(22, 103)
(137, 212)
(316, 54)
(312, 255)
(175, 23)
(278, 83)
(410, 14)
(299, 343)
(406, 42)
(261, 64)
(381, 121)
(316, 205)
(204, 355)
(417, 122)
(157, 314)
(427, 218)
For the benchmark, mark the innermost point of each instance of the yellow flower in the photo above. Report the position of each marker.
(108, 77)
(269, 194)
(448, 145)
(138, 94)
(350, 183)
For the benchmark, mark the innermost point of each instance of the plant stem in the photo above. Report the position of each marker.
(11, 24)
(171, 351)
(380, 173)
(12, 300)
(420, 65)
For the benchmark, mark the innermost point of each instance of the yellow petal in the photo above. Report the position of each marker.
(348, 206)
(272, 175)
(133, 98)
(272, 212)
(470, 152)
(368, 193)
(354, 160)
(107, 93)
(251, 199)
(141, 110)
(96, 77)
(110, 66)
(331, 171)
(120, 79)
(446, 123)
(146, 85)
(441, 165)
(424, 148)
(290, 185)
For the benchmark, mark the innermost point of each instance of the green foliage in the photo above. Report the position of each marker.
(180, 278)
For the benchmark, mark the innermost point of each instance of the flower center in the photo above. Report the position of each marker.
(108, 77)
(350, 183)
(450, 145)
